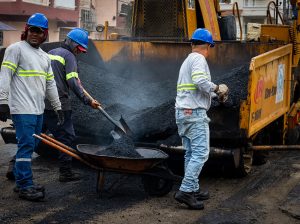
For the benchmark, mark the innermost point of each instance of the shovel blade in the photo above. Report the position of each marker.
(123, 127)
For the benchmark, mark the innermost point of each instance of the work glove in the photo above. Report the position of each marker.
(222, 93)
(4, 112)
(60, 117)
(95, 104)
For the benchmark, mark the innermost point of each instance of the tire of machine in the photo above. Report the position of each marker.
(156, 186)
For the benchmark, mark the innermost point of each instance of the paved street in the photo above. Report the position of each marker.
(269, 195)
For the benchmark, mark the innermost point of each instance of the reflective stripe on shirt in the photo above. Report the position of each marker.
(10, 65)
(197, 75)
(57, 58)
(72, 75)
(50, 76)
(187, 86)
(32, 73)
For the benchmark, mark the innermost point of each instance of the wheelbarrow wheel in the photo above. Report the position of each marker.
(156, 186)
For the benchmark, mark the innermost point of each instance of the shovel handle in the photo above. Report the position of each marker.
(116, 123)
(89, 96)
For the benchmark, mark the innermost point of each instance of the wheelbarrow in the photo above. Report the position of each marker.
(157, 178)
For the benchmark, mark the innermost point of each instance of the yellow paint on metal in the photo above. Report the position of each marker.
(109, 49)
(275, 32)
(268, 89)
(210, 18)
(191, 17)
(127, 51)
(106, 30)
(176, 51)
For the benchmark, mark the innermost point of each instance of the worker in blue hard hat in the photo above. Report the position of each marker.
(194, 92)
(26, 79)
(64, 65)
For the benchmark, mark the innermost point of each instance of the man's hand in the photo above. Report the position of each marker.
(4, 112)
(60, 117)
(95, 104)
(223, 98)
(222, 93)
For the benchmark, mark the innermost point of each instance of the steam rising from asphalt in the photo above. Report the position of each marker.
(145, 97)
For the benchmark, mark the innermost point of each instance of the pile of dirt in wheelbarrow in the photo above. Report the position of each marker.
(121, 147)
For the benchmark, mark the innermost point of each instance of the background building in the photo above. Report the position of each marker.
(60, 13)
(63, 15)
(254, 11)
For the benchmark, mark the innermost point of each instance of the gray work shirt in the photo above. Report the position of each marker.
(26, 78)
(194, 86)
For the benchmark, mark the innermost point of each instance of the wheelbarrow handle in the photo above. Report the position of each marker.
(58, 143)
(64, 150)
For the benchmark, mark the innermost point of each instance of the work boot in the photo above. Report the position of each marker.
(37, 187)
(201, 195)
(31, 194)
(67, 175)
(189, 199)
(10, 173)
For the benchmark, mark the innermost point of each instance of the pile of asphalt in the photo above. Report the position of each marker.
(147, 104)
(237, 81)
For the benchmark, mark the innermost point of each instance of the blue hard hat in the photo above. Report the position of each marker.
(80, 36)
(39, 20)
(204, 35)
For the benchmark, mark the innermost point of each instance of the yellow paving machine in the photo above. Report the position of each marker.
(136, 75)
(265, 118)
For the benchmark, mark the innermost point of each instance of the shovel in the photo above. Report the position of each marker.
(120, 125)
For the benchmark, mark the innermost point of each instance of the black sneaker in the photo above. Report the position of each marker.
(31, 194)
(189, 199)
(38, 187)
(201, 195)
(68, 176)
(9, 173)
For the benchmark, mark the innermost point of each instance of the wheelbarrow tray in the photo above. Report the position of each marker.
(150, 157)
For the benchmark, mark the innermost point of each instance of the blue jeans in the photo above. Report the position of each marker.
(193, 128)
(26, 125)
(64, 133)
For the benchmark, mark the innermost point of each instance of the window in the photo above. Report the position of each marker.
(38, 2)
(88, 19)
(68, 4)
(255, 3)
(63, 33)
(225, 1)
